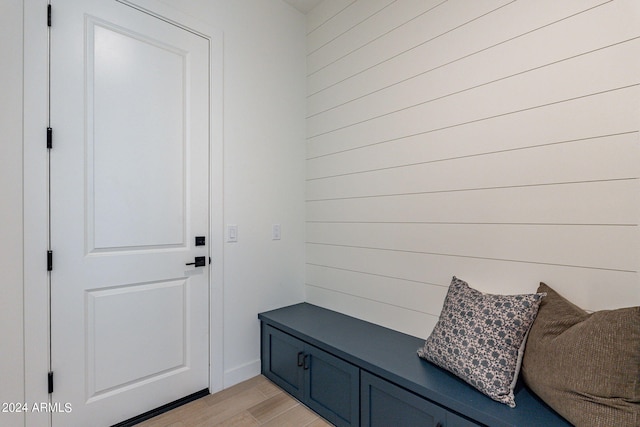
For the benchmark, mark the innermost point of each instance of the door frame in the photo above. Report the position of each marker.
(35, 119)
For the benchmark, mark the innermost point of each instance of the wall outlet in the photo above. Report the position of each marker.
(275, 232)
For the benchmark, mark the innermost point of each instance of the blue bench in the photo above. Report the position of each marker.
(356, 373)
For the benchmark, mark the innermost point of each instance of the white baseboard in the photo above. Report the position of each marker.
(241, 373)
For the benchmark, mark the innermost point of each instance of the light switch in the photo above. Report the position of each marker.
(232, 233)
(275, 232)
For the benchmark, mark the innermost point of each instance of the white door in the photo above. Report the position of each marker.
(129, 195)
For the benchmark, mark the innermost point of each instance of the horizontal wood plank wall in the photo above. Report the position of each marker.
(494, 140)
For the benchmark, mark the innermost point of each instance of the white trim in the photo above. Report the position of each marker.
(242, 373)
(216, 247)
(36, 316)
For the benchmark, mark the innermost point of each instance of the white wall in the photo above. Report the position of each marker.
(492, 140)
(11, 224)
(264, 161)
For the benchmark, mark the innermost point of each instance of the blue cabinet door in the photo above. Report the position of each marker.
(282, 357)
(326, 384)
(332, 387)
(384, 404)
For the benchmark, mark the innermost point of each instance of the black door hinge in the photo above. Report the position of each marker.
(49, 260)
(48, 15)
(50, 382)
(49, 138)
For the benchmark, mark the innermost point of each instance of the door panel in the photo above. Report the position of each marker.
(135, 333)
(332, 387)
(129, 191)
(385, 404)
(145, 138)
(282, 357)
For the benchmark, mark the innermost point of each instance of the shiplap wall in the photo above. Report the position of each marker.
(493, 140)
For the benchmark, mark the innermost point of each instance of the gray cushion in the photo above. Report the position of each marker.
(480, 338)
(586, 366)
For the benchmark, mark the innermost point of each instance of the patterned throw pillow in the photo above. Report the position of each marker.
(480, 338)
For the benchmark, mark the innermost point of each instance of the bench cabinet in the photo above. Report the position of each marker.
(355, 373)
(340, 391)
(325, 383)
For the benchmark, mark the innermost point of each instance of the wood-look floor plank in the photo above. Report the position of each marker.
(272, 407)
(297, 416)
(252, 403)
(267, 387)
(319, 422)
(228, 408)
(243, 419)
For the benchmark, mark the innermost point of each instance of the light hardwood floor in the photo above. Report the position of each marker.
(255, 402)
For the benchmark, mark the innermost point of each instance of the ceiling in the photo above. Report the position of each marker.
(303, 6)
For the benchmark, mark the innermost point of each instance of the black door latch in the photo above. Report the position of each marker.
(200, 261)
